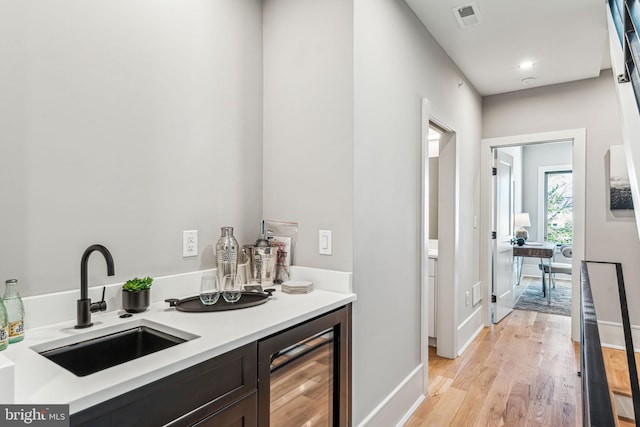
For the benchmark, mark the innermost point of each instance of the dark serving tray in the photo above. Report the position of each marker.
(193, 304)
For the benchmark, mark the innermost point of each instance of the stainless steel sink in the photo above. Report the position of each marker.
(111, 348)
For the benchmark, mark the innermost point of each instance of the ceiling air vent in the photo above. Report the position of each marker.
(467, 15)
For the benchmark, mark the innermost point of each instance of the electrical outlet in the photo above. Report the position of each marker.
(189, 243)
(467, 298)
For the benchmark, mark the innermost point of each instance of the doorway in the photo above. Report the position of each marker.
(446, 284)
(435, 133)
(439, 249)
(577, 138)
(533, 212)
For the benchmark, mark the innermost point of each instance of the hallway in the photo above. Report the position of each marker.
(522, 371)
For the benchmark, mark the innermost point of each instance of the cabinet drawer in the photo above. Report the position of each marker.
(240, 414)
(196, 391)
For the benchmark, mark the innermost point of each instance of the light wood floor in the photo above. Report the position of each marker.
(617, 368)
(521, 372)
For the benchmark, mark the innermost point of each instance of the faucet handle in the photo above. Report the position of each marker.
(100, 305)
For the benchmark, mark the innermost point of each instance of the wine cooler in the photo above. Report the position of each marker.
(302, 374)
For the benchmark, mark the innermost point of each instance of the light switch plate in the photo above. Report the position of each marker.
(325, 245)
(189, 243)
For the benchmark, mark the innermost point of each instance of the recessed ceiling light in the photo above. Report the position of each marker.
(528, 80)
(526, 65)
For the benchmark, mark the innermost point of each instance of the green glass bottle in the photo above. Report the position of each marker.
(15, 311)
(4, 327)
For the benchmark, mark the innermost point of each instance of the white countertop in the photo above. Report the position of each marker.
(40, 381)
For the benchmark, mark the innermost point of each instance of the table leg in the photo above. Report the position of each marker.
(549, 293)
(544, 285)
(519, 269)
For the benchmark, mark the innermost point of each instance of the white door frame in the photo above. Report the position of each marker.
(448, 222)
(579, 140)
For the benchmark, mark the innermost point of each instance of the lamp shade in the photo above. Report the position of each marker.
(521, 220)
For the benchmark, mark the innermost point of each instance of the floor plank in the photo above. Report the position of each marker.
(521, 372)
(615, 363)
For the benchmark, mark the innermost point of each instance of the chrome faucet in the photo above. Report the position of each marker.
(85, 307)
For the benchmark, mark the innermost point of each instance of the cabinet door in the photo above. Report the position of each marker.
(432, 307)
(181, 398)
(240, 414)
(433, 295)
(304, 374)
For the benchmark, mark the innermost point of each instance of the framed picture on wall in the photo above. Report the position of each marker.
(620, 186)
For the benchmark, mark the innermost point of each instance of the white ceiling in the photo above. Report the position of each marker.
(566, 39)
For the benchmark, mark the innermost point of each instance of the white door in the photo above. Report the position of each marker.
(503, 226)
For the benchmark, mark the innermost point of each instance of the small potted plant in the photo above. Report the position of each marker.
(136, 294)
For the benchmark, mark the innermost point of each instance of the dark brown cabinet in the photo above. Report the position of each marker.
(241, 414)
(234, 389)
(183, 398)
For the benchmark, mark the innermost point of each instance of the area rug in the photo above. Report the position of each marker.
(531, 298)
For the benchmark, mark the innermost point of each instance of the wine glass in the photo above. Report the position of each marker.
(231, 288)
(209, 290)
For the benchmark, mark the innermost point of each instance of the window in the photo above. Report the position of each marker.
(558, 212)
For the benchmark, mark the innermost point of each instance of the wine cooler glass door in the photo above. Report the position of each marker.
(304, 373)
(302, 383)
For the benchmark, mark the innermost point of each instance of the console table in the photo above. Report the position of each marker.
(543, 251)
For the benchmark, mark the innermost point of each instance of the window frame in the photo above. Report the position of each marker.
(542, 196)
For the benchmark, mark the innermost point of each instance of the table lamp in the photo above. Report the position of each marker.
(521, 220)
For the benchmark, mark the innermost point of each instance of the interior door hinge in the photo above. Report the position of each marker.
(494, 171)
(494, 235)
(493, 298)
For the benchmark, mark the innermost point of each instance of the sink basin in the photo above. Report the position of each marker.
(111, 348)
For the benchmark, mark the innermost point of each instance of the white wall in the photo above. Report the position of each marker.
(589, 104)
(308, 124)
(534, 157)
(124, 123)
(310, 80)
(396, 64)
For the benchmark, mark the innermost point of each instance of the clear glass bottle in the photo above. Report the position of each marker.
(227, 249)
(4, 327)
(15, 311)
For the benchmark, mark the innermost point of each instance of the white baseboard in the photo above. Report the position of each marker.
(534, 272)
(529, 270)
(612, 335)
(395, 409)
(411, 410)
(469, 329)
